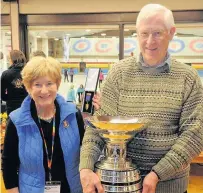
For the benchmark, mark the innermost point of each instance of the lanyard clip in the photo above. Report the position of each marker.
(50, 177)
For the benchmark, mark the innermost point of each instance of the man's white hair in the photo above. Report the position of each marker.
(151, 10)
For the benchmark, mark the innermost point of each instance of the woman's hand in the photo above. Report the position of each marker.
(97, 101)
(90, 182)
(12, 190)
(150, 183)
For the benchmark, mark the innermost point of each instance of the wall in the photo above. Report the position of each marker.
(85, 6)
(5, 7)
(94, 6)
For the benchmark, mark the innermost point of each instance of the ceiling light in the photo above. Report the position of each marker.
(38, 36)
(88, 30)
(68, 34)
(134, 34)
(126, 29)
(114, 37)
(103, 34)
(8, 32)
(56, 39)
(82, 37)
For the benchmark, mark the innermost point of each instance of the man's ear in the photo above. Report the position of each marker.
(172, 32)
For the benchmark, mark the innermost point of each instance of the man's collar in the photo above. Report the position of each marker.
(162, 67)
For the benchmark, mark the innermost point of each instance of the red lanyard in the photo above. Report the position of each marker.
(49, 161)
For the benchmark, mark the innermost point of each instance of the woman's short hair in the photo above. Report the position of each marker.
(39, 67)
(151, 10)
(72, 86)
(17, 57)
(39, 53)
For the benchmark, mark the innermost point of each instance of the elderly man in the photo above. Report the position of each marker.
(166, 92)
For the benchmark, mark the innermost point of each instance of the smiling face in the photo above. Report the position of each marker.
(154, 39)
(43, 90)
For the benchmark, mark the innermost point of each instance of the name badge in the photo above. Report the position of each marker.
(52, 187)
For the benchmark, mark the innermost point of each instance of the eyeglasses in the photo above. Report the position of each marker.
(156, 34)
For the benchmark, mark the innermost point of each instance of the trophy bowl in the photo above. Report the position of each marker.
(116, 172)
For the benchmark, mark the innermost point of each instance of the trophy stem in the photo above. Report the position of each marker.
(116, 154)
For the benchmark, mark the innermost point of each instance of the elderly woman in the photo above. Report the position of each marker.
(43, 137)
(12, 88)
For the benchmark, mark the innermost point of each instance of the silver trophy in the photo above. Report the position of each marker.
(116, 172)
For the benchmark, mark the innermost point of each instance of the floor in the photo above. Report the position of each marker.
(77, 80)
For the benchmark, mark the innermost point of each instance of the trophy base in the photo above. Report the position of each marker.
(115, 180)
